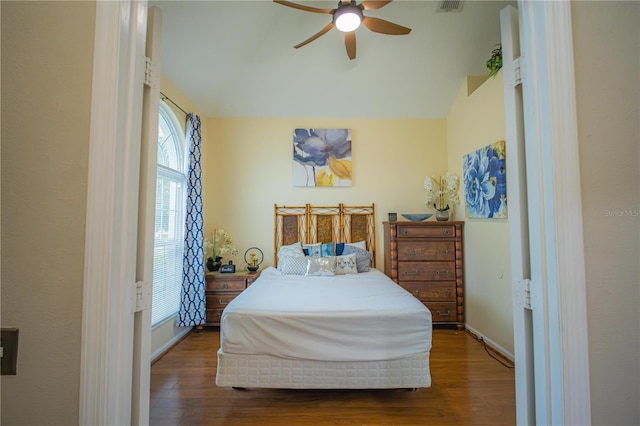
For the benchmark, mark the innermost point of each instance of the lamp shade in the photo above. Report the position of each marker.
(347, 17)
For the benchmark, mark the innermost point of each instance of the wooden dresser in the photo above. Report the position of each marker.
(426, 259)
(222, 289)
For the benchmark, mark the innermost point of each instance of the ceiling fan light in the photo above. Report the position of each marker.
(347, 18)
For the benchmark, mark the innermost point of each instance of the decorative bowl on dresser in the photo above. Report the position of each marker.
(426, 259)
(417, 217)
(223, 288)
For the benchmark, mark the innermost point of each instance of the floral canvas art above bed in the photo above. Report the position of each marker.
(322, 157)
(485, 182)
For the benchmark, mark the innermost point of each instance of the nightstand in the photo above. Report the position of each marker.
(223, 288)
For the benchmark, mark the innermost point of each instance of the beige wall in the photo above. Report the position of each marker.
(250, 169)
(476, 119)
(47, 56)
(607, 50)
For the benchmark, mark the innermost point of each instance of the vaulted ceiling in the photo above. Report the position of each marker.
(236, 58)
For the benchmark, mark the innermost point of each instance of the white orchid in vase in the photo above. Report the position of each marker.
(442, 191)
(220, 243)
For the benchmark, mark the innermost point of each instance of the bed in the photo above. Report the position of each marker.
(353, 330)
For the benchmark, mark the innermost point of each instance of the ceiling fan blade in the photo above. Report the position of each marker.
(384, 27)
(350, 44)
(303, 7)
(317, 35)
(373, 5)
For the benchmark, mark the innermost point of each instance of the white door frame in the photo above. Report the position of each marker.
(557, 264)
(109, 292)
(146, 220)
(558, 284)
(518, 218)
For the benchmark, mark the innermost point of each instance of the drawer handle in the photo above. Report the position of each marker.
(220, 302)
(405, 232)
(446, 232)
(445, 252)
(413, 251)
(446, 314)
(417, 292)
(225, 285)
(445, 272)
(411, 272)
(448, 293)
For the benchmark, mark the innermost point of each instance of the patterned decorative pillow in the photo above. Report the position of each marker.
(321, 266)
(319, 249)
(360, 244)
(346, 264)
(294, 250)
(312, 250)
(363, 257)
(327, 249)
(292, 265)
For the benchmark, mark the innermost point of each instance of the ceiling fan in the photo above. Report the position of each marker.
(347, 17)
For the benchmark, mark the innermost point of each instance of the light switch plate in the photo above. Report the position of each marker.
(9, 343)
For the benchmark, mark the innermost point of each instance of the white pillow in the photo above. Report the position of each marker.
(321, 266)
(294, 250)
(346, 264)
(292, 265)
(360, 244)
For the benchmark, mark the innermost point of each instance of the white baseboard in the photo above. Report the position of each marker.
(502, 351)
(164, 348)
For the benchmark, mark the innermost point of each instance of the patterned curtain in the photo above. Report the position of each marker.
(192, 296)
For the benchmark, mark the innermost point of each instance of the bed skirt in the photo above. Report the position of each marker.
(265, 371)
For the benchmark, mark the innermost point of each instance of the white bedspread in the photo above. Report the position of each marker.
(358, 317)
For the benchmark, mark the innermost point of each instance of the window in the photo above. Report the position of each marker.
(169, 227)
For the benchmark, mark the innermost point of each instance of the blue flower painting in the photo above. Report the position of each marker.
(322, 157)
(485, 182)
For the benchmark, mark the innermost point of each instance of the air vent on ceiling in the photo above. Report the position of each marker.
(449, 6)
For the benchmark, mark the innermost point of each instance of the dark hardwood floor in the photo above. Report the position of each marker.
(469, 387)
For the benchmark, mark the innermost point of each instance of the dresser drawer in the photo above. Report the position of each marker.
(418, 250)
(432, 291)
(408, 231)
(426, 271)
(223, 283)
(442, 312)
(213, 316)
(220, 300)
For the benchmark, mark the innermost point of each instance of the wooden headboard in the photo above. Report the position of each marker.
(324, 224)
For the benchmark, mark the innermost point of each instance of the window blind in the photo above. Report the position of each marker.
(169, 223)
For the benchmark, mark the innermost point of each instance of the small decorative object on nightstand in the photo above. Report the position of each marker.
(230, 268)
(254, 258)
